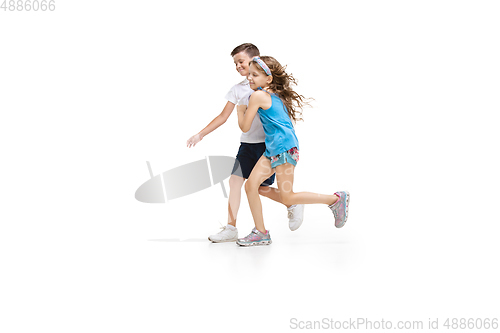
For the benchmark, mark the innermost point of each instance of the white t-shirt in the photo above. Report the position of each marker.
(240, 95)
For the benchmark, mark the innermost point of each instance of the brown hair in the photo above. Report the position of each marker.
(250, 49)
(281, 86)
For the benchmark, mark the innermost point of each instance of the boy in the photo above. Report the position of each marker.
(251, 149)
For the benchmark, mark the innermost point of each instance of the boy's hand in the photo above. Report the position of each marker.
(194, 140)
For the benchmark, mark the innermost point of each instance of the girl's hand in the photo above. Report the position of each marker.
(194, 140)
(258, 99)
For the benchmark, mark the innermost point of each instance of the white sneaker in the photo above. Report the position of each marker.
(295, 216)
(228, 234)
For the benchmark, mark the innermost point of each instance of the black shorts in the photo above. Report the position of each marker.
(247, 157)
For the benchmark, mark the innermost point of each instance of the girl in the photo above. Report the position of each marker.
(277, 105)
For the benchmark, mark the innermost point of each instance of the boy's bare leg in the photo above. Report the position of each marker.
(235, 184)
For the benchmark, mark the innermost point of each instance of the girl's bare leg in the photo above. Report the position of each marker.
(284, 176)
(270, 192)
(261, 171)
(235, 185)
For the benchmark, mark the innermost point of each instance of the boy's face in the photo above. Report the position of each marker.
(241, 61)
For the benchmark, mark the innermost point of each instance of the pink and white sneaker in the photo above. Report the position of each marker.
(340, 209)
(255, 238)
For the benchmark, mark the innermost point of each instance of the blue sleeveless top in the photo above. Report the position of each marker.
(278, 127)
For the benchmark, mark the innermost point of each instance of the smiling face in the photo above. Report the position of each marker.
(257, 78)
(241, 61)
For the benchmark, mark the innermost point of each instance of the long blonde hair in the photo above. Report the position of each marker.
(281, 86)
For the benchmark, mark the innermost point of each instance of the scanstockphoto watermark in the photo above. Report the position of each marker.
(354, 324)
(382, 324)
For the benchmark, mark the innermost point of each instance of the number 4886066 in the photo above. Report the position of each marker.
(28, 5)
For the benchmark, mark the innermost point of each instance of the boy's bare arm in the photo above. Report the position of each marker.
(213, 125)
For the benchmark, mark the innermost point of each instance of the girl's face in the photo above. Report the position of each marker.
(241, 61)
(257, 78)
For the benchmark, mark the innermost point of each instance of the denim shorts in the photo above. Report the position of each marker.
(290, 156)
(248, 155)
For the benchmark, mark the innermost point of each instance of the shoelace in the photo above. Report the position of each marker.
(250, 235)
(290, 212)
(336, 210)
(223, 227)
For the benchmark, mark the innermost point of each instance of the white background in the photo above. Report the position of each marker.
(405, 117)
